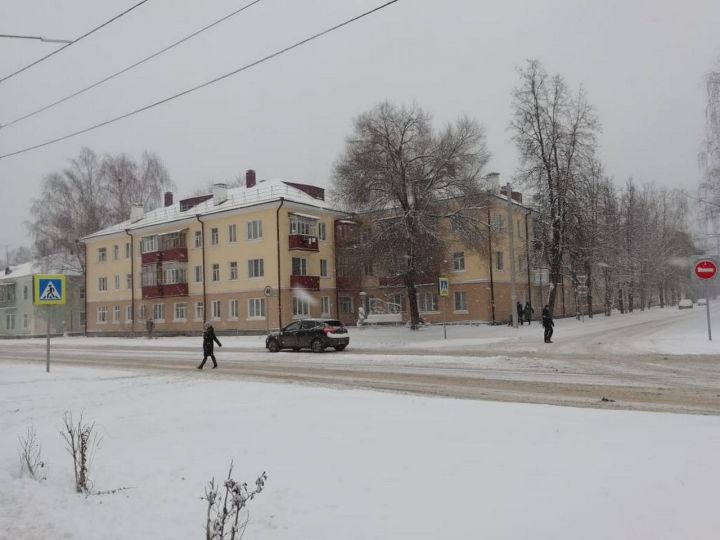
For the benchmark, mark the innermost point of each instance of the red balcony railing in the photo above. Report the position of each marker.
(311, 283)
(168, 255)
(164, 291)
(303, 242)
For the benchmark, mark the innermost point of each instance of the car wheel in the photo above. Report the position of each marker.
(340, 347)
(317, 346)
(273, 346)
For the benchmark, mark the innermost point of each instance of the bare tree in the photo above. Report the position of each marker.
(30, 454)
(409, 184)
(555, 133)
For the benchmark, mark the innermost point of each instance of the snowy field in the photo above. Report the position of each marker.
(350, 464)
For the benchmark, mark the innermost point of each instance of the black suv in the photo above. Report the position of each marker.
(315, 334)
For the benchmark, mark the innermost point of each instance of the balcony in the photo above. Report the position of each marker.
(176, 254)
(399, 280)
(310, 283)
(165, 291)
(303, 242)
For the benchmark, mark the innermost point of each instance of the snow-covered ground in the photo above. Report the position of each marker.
(350, 464)
(661, 331)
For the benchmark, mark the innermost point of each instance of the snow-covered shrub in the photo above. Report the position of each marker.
(30, 454)
(82, 442)
(224, 509)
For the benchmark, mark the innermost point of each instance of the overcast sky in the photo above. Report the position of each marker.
(641, 61)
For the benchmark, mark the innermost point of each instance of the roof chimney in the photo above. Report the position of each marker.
(168, 198)
(136, 212)
(493, 181)
(249, 178)
(219, 193)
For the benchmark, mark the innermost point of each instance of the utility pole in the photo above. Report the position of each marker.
(511, 233)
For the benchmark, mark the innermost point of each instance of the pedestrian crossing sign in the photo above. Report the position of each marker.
(443, 286)
(49, 289)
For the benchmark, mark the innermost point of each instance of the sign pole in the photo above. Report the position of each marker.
(47, 341)
(445, 319)
(707, 309)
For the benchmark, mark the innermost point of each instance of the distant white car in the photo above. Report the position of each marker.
(685, 303)
(702, 302)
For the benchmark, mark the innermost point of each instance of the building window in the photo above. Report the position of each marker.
(82, 293)
(460, 301)
(174, 273)
(102, 314)
(25, 292)
(181, 311)
(499, 264)
(128, 281)
(322, 231)
(10, 321)
(26, 321)
(346, 305)
(128, 313)
(497, 223)
(232, 233)
(82, 318)
(198, 239)
(427, 301)
(198, 274)
(117, 282)
(127, 250)
(302, 225)
(214, 236)
(148, 244)
(299, 266)
(397, 303)
(215, 307)
(216, 272)
(149, 276)
(102, 284)
(325, 306)
(102, 254)
(323, 268)
(459, 261)
(159, 312)
(233, 270)
(116, 314)
(256, 308)
(254, 230)
(256, 268)
(116, 252)
(301, 307)
(199, 311)
(233, 309)
(142, 314)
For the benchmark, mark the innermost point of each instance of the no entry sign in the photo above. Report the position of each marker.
(705, 269)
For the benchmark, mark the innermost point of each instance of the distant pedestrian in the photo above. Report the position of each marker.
(149, 326)
(519, 308)
(208, 346)
(528, 312)
(548, 323)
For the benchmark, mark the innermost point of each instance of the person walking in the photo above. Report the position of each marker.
(208, 346)
(519, 308)
(548, 323)
(528, 312)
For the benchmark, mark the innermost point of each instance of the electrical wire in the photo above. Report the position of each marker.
(203, 85)
(86, 34)
(128, 68)
(38, 38)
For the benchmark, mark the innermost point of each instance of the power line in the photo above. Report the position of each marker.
(39, 38)
(128, 68)
(72, 42)
(203, 85)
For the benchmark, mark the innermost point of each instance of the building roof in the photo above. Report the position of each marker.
(52, 264)
(264, 191)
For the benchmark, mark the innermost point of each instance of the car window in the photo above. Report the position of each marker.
(292, 327)
(333, 323)
(307, 325)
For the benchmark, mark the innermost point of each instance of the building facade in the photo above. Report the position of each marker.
(246, 259)
(20, 317)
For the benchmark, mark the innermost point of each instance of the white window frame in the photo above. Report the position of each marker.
(428, 302)
(233, 270)
(102, 255)
(159, 312)
(216, 272)
(198, 273)
(180, 307)
(345, 301)
(256, 309)
(324, 306)
(324, 268)
(116, 314)
(215, 310)
(214, 236)
(26, 321)
(462, 307)
(459, 261)
(199, 311)
(232, 233)
(322, 231)
(116, 281)
(301, 308)
(254, 229)
(128, 281)
(102, 315)
(198, 239)
(102, 284)
(256, 268)
(302, 266)
(233, 309)
(500, 261)
(10, 321)
(128, 313)
(116, 252)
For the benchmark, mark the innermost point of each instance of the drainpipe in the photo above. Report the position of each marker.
(527, 256)
(132, 282)
(490, 262)
(277, 231)
(335, 257)
(202, 233)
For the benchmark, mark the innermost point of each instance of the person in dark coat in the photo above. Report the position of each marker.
(519, 308)
(208, 338)
(548, 323)
(528, 312)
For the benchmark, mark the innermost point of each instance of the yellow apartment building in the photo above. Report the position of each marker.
(245, 259)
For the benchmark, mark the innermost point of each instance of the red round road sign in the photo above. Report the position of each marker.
(705, 269)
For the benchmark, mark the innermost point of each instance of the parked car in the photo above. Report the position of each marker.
(314, 334)
(685, 303)
(702, 302)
